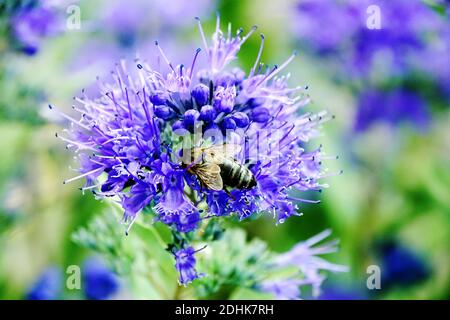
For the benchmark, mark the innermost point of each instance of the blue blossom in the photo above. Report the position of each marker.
(132, 139)
(405, 27)
(32, 22)
(185, 265)
(99, 282)
(305, 258)
(400, 265)
(389, 55)
(284, 289)
(342, 292)
(391, 107)
(48, 286)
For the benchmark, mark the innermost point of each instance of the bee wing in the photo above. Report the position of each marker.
(209, 174)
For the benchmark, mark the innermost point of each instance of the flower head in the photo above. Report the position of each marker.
(32, 23)
(401, 266)
(135, 142)
(379, 49)
(48, 286)
(99, 282)
(285, 289)
(391, 107)
(185, 265)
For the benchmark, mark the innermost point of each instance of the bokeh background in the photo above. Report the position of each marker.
(388, 88)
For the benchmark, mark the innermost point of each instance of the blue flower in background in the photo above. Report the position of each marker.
(32, 22)
(305, 257)
(284, 289)
(48, 286)
(392, 107)
(401, 266)
(99, 282)
(410, 45)
(185, 265)
(342, 292)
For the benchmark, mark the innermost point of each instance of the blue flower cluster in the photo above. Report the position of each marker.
(98, 282)
(131, 141)
(392, 52)
(29, 22)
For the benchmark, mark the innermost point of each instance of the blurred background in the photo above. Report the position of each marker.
(382, 68)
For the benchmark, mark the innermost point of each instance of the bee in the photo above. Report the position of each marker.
(217, 167)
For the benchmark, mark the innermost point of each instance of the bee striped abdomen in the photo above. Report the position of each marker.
(236, 175)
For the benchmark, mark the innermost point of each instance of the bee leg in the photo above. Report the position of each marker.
(229, 193)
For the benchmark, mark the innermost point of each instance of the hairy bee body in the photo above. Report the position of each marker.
(215, 167)
(236, 175)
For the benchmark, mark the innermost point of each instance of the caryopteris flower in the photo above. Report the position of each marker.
(48, 286)
(29, 22)
(99, 282)
(305, 258)
(135, 142)
(384, 50)
(401, 265)
(185, 265)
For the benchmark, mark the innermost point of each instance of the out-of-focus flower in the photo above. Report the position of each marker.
(401, 266)
(391, 107)
(382, 44)
(32, 21)
(185, 265)
(284, 289)
(128, 29)
(341, 292)
(99, 282)
(305, 258)
(135, 20)
(133, 140)
(405, 28)
(48, 286)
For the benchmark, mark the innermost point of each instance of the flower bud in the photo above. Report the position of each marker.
(207, 113)
(260, 114)
(241, 119)
(228, 124)
(163, 112)
(200, 93)
(177, 125)
(158, 99)
(190, 117)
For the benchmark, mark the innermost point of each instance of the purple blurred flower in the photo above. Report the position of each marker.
(391, 107)
(133, 22)
(401, 265)
(285, 289)
(185, 265)
(305, 257)
(342, 292)
(99, 282)
(31, 24)
(411, 42)
(48, 286)
(405, 27)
